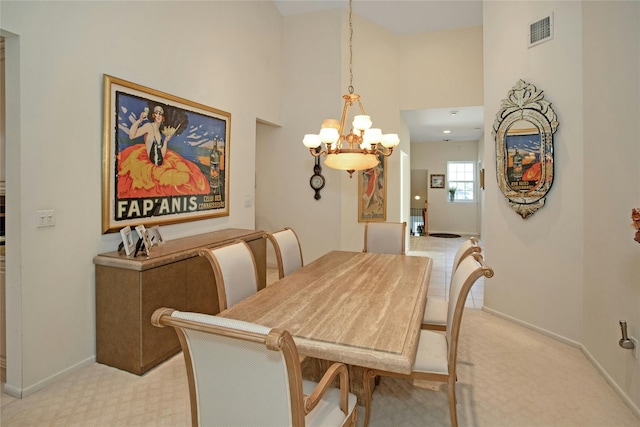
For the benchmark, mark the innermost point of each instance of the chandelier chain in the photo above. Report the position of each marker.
(350, 48)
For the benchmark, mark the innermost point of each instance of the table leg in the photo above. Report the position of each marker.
(369, 380)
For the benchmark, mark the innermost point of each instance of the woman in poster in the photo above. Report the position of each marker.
(150, 169)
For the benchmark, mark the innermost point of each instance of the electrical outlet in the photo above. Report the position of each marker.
(46, 218)
(635, 349)
(41, 219)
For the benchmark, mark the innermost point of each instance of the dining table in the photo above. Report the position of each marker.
(358, 308)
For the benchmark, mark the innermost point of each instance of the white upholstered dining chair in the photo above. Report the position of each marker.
(288, 251)
(435, 310)
(385, 237)
(436, 356)
(243, 374)
(234, 270)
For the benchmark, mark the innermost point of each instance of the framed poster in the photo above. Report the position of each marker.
(164, 159)
(437, 181)
(372, 192)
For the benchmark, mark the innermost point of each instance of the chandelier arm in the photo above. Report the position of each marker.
(361, 108)
(317, 153)
(386, 151)
(347, 103)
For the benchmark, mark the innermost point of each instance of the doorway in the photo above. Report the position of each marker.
(419, 225)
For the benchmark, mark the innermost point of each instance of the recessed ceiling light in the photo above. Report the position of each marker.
(453, 113)
(417, 197)
(446, 131)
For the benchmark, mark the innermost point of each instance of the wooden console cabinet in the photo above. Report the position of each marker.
(129, 290)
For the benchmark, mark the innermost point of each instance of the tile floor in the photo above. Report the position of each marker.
(443, 251)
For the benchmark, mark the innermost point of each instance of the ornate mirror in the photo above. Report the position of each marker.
(524, 129)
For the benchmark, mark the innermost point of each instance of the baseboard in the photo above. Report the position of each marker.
(538, 329)
(619, 391)
(614, 385)
(18, 392)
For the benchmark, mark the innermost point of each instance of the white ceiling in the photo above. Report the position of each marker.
(429, 125)
(410, 17)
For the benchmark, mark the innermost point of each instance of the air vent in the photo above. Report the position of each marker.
(541, 31)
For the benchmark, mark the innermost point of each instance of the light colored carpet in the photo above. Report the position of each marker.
(508, 376)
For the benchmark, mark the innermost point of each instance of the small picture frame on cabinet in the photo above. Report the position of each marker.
(155, 236)
(127, 240)
(144, 235)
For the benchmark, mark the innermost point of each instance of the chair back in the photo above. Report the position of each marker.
(466, 248)
(239, 373)
(235, 272)
(385, 237)
(288, 251)
(471, 268)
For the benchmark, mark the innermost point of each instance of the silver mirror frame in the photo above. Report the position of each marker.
(525, 103)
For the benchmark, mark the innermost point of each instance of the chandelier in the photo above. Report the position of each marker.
(360, 148)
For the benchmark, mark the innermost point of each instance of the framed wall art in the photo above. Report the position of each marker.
(523, 129)
(165, 159)
(372, 192)
(437, 181)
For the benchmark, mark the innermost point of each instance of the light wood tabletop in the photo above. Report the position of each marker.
(362, 309)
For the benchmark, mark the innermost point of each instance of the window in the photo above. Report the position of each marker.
(462, 177)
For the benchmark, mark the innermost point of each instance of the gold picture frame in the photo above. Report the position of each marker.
(165, 159)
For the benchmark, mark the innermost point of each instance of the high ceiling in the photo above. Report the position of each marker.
(399, 16)
(410, 17)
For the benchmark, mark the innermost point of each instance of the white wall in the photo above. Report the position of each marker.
(611, 150)
(312, 90)
(442, 69)
(539, 260)
(446, 217)
(207, 52)
(571, 269)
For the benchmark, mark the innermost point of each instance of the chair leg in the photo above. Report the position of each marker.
(368, 376)
(453, 413)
